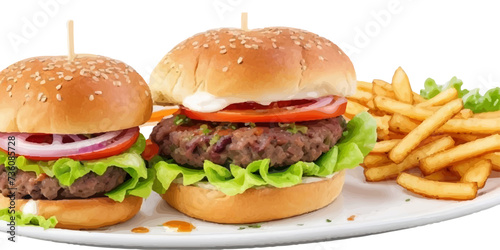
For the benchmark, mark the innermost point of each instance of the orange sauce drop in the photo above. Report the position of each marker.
(182, 226)
(140, 230)
(351, 218)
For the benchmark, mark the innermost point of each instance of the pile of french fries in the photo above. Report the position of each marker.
(454, 149)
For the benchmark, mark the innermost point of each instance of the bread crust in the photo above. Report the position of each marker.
(256, 204)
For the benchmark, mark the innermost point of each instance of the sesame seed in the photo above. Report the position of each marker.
(27, 96)
(98, 92)
(240, 60)
(27, 86)
(223, 51)
(58, 87)
(42, 82)
(58, 97)
(100, 61)
(303, 67)
(195, 43)
(91, 63)
(217, 41)
(117, 76)
(273, 39)
(104, 76)
(10, 78)
(9, 88)
(44, 99)
(321, 58)
(232, 45)
(293, 37)
(117, 83)
(248, 46)
(38, 78)
(222, 47)
(340, 52)
(52, 78)
(205, 45)
(91, 97)
(319, 46)
(147, 93)
(40, 96)
(232, 40)
(97, 73)
(68, 78)
(255, 46)
(225, 69)
(296, 42)
(301, 37)
(10, 94)
(95, 78)
(275, 46)
(243, 41)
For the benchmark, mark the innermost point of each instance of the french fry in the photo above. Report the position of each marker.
(353, 108)
(431, 139)
(488, 115)
(401, 86)
(371, 105)
(392, 106)
(424, 130)
(393, 135)
(471, 125)
(463, 137)
(440, 99)
(380, 91)
(385, 85)
(478, 173)
(464, 114)
(437, 189)
(443, 175)
(495, 160)
(365, 86)
(392, 170)
(382, 126)
(461, 152)
(375, 160)
(418, 98)
(460, 168)
(402, 124)
(385, 146)
(361, 96)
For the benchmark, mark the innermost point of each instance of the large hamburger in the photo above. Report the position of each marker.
(70, 151)
(259, 134)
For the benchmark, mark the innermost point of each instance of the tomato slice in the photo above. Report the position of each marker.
(151, 150)
(103, 153)
(158, 115)
(305, 110)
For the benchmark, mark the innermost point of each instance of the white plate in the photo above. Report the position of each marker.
(378, 207)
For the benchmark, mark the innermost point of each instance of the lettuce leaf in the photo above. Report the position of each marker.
(472, 99)
(67, 171)
(357, 141)
(28, 219)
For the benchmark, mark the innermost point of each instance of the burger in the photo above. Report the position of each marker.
(71, 154)
(260, 133)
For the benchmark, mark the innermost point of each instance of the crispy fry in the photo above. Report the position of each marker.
(402, 87)
(471, 125)
(443, 175)
(494, 158)
(478, 173)
(375, 160)
(382, 126)
(387, 86)
(392, 170)
(353, 108)
(379, 91)
(385, 146)
(402, 124)
(461, 152)
(364, 86)
(424, 130)
(488, 115)
(392, 106)
(437, 189)
(418, 98)
(464, 114)
(371, 105)
(460, 168)
(463, 137)
(361, 96)
(393, 135)
(431, 139)
(440, 99)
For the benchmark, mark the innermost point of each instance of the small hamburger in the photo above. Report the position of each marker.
(70, 151)
(259, 134)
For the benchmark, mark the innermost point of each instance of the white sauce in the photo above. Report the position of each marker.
(206, 102)
(30, 207)
(207, 185)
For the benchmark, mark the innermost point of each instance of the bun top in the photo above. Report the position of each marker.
(211, 70)
(91, 94)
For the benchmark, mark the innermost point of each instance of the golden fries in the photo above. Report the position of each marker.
(478, 173)
(402, 87)
(392, 106)
(385, 146)
(471, 149)
(437, 189)
(424, 130)
(440, 99)
(392, 170)
(452, 147)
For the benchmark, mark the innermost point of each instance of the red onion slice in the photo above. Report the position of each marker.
(58, 149)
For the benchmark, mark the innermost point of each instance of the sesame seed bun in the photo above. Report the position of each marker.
(89, 213)
(91, 94)
(255, 204)
(262, 65)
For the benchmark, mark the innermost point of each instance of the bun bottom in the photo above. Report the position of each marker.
(256, 204)
(89, 213)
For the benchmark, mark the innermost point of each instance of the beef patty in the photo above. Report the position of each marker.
(225, 143)
(29, 186)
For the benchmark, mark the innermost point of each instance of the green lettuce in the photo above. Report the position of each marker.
(67, 171)
(357, 141)
(472, 99)
(28, 219)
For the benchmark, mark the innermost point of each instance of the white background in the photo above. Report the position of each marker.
(426, 38)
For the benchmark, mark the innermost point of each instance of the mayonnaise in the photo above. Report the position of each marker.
(30, 207)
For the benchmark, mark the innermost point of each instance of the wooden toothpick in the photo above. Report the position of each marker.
(244, 21)
(71, 41)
